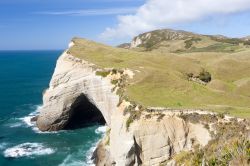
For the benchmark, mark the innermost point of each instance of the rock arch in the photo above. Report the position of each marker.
(76, 97)
(83, 113)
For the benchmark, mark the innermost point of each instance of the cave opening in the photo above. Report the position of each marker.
(84, 113)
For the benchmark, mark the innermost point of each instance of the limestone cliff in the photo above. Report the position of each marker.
(76, 93)
(74, 82)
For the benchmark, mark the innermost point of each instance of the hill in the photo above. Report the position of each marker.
(174, 78)
(177, 41)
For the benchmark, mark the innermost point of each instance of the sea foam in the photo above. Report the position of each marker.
(14, 125)
(101, 130)
(3, 145)
(27, 149)
(70, 160)
(27, 119)
(29, 123)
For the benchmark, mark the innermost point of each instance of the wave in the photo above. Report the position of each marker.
(3, 145)
(27, 149)
(101, 130)
(71, 160)
(14, 125)
(29, 123)
(24, 121)
(90, 152)
(27, 119)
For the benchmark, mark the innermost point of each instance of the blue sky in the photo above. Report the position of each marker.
(50, 24)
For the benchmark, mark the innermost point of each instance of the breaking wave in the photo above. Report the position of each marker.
(3, 145)
(70, 160)
(27, 149)
(101, 130)
(29, 123)
(27, 119)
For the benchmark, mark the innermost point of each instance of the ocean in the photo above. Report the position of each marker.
(23, 77)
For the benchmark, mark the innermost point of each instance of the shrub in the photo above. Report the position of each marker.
(148, 116)
(119, 102)
(114, 82)
(102, 73)
(190, 75)
(160, 117)
(206, 126)
(205, 76)
(179, 104)
(128, 122)
(189, 43)
(134, 115)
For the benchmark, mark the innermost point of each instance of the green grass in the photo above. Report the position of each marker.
(229, 146)
(189, 43)
(102, 73)
(160, 77)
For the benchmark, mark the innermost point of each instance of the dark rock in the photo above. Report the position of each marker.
(34, 119)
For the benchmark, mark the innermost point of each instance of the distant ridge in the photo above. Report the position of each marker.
(183, 41)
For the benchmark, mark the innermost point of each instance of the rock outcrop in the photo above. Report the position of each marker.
(151, 141)
(158, 36)
(76, 89)
(74, 83)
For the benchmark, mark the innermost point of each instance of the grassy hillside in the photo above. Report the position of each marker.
(161, 77)
(168, 40)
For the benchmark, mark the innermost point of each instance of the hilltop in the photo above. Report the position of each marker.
(178, 41)
(179, 70)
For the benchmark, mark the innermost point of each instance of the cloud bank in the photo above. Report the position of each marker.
(155, 14)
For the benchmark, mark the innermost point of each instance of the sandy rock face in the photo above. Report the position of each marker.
(150, 142)
(136, 42)
(73, 78)
(147, 141)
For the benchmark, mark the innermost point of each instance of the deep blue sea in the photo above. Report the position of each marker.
(23, 77)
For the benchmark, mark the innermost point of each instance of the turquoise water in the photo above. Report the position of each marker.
(23, 77)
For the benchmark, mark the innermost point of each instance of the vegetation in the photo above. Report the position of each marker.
(205, 76)
(159, 80)
(229, 146)
(133, 114)
(234, 41)
(189, 43)
(128, 122)
(102, 73)
(107, 137)
(218, 47)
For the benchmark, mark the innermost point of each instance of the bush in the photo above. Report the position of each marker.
(128, 122)
(189, 43)
(102, 73)
(205, 76)
(190, 75)
(114, 82)
(134, 115)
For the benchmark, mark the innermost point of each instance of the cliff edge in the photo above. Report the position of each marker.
(96, 83)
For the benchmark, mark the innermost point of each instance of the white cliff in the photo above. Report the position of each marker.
(72, 78)
(148, 141)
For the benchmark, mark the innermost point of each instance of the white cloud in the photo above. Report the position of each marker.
(91, 12)
(155, 14)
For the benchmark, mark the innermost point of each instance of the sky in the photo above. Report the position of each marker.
(51, 24)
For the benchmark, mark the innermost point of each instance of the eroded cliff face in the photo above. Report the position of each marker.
(149, 141)
(76, 89)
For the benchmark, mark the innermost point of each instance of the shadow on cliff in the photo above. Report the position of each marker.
(83, 113)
